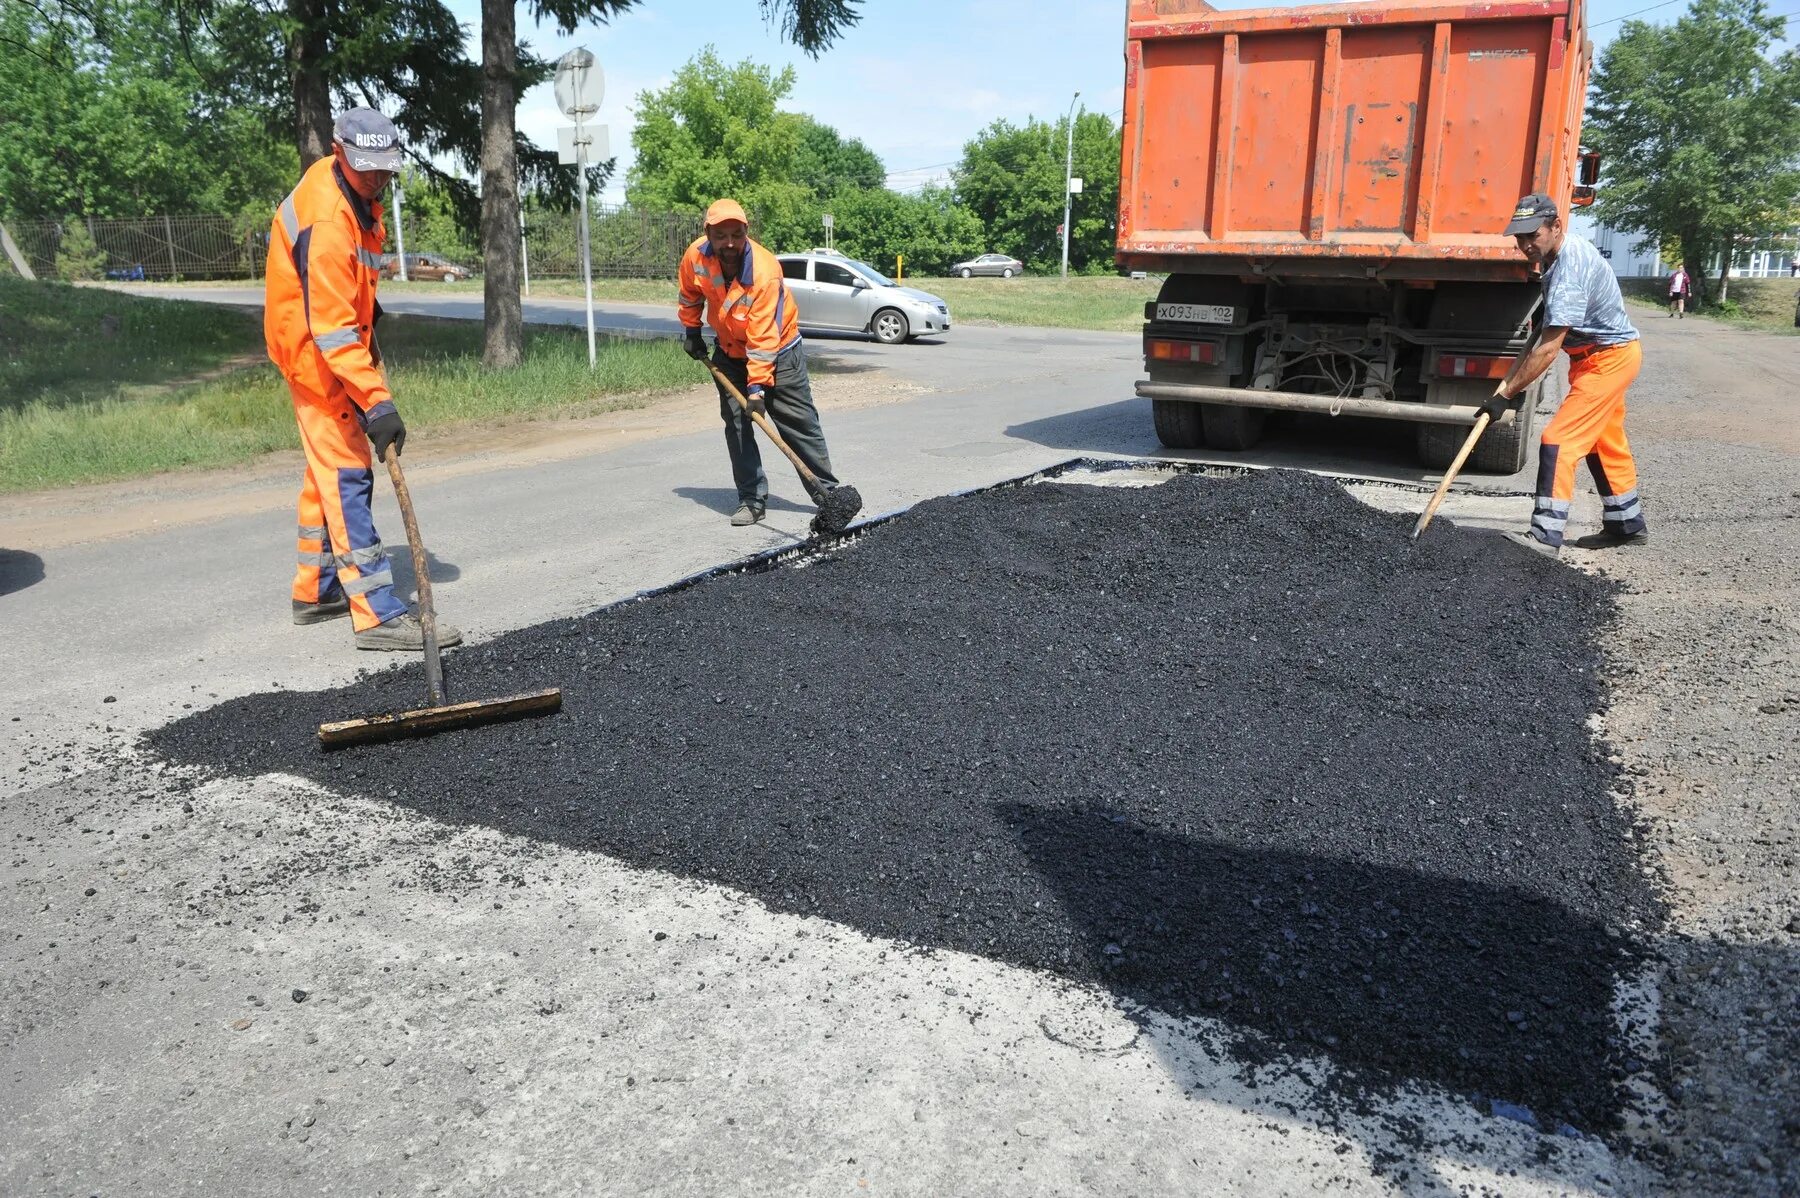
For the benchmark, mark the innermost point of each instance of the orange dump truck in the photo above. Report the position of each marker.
(1324, 188)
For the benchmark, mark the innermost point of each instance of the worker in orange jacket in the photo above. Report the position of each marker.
(1584, 316)
(319, 315)
(738, 286)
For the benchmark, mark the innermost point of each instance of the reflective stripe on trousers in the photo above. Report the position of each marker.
(1590, 426)
(335, 500)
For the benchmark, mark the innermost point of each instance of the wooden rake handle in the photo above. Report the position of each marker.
(434, 663)
(1462, 455)
(768, 428)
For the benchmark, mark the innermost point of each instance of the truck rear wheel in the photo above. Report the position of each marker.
(1501, 450)
(1177, 423)
(1231, 427)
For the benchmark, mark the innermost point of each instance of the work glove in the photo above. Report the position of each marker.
(1494, 407)
(755, 398)
(385, 430)
(695, 345)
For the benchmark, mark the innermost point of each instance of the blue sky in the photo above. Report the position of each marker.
(913, 80)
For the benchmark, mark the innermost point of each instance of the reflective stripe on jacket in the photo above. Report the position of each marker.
(319, 301)
(753, 314)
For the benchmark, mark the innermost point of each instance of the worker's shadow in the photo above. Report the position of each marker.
(19, 569)
(724, 500)
(405, 581)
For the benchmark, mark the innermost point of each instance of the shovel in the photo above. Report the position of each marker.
(442, 715)
(838, 504)
(1462, 455)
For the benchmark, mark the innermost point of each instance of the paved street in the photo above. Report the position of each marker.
(435, 1008)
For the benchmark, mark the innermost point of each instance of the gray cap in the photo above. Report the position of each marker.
(370, 141)
(1534, 211)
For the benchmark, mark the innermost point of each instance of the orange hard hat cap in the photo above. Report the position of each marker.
(721, 211)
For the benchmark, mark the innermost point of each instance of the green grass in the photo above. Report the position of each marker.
(73, 428)
(1081, 302)
(62, 345)
(1766, 304)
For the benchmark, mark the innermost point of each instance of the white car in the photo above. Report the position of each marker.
(844, 295)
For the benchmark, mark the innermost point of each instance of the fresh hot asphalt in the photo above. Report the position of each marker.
(1224, 746)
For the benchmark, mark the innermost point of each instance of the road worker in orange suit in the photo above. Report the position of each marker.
(319, 319)
(1584, 316)
(738, 286)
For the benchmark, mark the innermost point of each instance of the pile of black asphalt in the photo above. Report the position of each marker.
(1228, 747)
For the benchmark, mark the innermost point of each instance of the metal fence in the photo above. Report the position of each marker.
(153, 247)
(626, 243)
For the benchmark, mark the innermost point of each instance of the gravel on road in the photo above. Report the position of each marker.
(1231, 747)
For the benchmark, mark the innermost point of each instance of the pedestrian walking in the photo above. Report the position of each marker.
(319, 316)
(1584, 316)
(1678, 292)
(737, 285)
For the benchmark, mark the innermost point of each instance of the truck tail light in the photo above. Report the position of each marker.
(1463, 366)
(1204, 352)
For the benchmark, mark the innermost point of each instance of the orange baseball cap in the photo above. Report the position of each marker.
(724, 210)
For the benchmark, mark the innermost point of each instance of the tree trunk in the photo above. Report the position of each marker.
(306, 51)
(504, 340)
(1725, 266)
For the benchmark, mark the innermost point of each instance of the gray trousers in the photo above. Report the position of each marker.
(790, 405)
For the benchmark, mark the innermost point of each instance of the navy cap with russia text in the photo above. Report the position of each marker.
(370, 141)
(1533, 212)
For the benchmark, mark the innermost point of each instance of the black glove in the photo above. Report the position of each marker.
(385, 430)
(1494, 408)
(755, 398)
(695, 345)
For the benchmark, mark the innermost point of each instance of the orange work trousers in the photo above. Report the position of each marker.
(1590, 425)
(338, 545)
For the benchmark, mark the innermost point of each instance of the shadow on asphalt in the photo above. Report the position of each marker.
(724, 500)
(405, 581)
(1346, 444)
(19, 569)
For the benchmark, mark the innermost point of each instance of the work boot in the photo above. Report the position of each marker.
(405, 632)
(748, 513)
(1612, 538)
(335, 604)
(1527, 541)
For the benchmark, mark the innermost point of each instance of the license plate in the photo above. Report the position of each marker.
(1197, 313)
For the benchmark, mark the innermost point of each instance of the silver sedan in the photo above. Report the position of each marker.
(989, 264)
(842, 294)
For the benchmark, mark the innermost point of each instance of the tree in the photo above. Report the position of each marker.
(1697, 122)
(78, 256)
(828, 163)
(1011, 177)
(931, 229)
(101, 114)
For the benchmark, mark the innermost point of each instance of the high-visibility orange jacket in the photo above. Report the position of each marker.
(319, 302)
(753, 315)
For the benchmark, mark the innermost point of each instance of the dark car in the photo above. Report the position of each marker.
(126, 274)
(431, 268)
(989, 264)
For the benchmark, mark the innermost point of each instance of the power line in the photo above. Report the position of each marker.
(1639, 12)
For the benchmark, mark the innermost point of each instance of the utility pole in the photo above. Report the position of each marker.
(399, 230)
(1068, 173)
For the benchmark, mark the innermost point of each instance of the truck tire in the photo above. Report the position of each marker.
(1231, 427)
(1177, 423)
(1501, 450)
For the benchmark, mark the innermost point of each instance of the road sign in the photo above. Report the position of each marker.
(1075, 186)
(580, 84)
(826, 220)
(582, 143)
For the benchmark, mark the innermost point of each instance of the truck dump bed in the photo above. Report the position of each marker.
(1388, 140)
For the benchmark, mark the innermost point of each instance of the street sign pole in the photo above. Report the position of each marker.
(580, 85)
(587, 265)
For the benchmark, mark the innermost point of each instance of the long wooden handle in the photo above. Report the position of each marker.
(434, 664)
(1462, 455)
(768, 428)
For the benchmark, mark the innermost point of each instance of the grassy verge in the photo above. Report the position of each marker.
(72, 428)
(1767, 304)
(1083, 302)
